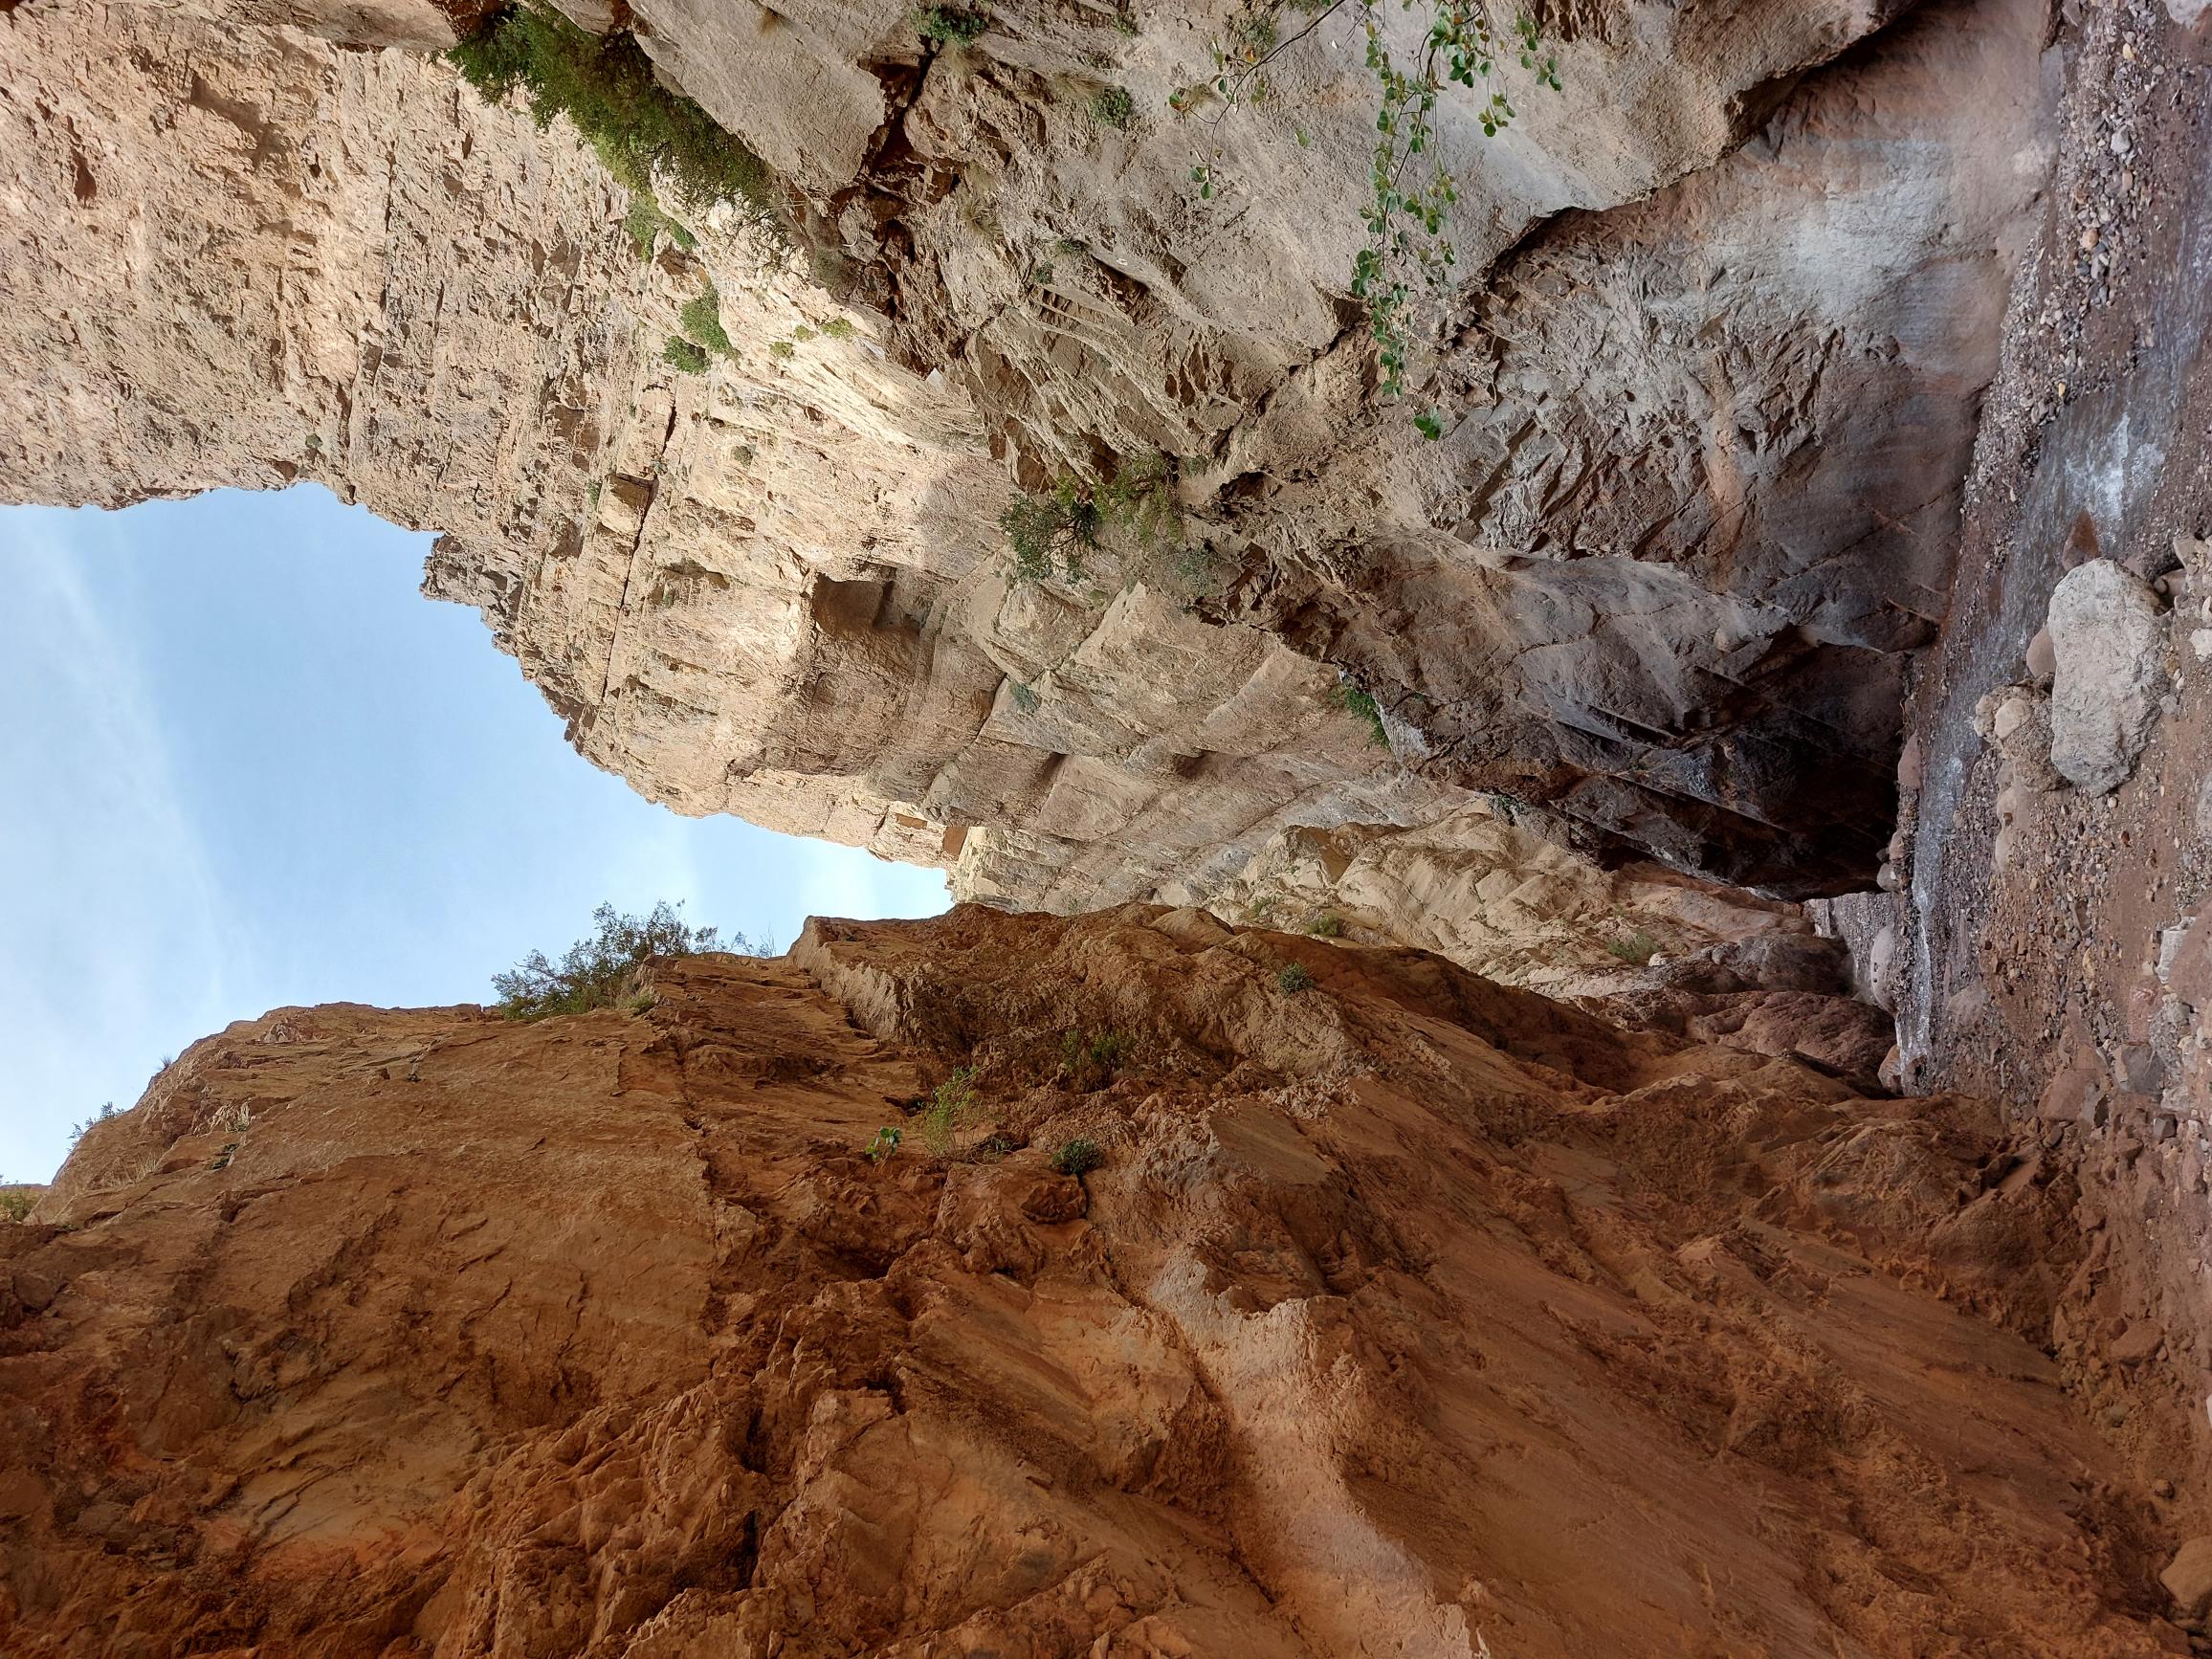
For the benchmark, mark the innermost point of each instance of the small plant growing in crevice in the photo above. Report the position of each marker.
(702, 322)
(1637, 949)
(1088, 1064)
(1294, 978)
(1326, 924)
(1353, 700)
(837, 328)
(1026, 701)
(1113, 106)
(885, 1143)
(1079, 1157)
(781, 348)
(643, 1003)
(949, 25)
(1058, 525)
(687, 355)
(1139, 501)
(646, 223)
(952, 1105)
(105, 1114)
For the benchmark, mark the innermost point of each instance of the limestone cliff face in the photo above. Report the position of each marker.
(1706, 396)
(1404, 1315)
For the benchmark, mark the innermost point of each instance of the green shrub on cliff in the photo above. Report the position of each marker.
(595, 972)
(1138, 500)
(952, 1105)
(948, 25)
(605, 85)
(702, 321)
(1354, 701)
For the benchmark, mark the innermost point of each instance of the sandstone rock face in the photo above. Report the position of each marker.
(1406, 1314)
(2108, 639)
(1706, 399)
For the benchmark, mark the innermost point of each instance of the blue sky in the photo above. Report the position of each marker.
(244, 763)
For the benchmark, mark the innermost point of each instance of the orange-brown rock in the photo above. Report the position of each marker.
(1407, 1315)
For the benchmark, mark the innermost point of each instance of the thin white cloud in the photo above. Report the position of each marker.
(96, 847)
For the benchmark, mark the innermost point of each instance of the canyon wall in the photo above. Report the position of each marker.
(1705, 402)
(1403, 1314)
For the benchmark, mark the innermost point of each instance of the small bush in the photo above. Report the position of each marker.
(1354, 701)
(606, 86)
(1637, 949)
(1326, 924)
(952, 1105)
(686, 355)
(106, 1110)
(1141, 500)
(1089, 1063)
(838, 328)
(643, 222)
(1138, 500)
(595, 972)
(1113, 106)
(1078, 1157)
(781, 348)
(949, 26)
(702, 321)
(1294, 978)
(885, 1143)
(1064, 522)
(16, 1204)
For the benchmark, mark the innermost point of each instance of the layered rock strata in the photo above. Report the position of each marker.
(1705, 400)
(1404, 1313)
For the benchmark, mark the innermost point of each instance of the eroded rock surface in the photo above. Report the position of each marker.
(1406, 1314)
(1706, 400)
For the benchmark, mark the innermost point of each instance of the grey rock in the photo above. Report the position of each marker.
(2108, 641)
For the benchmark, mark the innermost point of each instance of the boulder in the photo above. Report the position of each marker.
(2188, 1578)
(2108, 639)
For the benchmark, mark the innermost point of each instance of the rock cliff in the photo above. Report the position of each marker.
(1404, 1313)
(1705, 399)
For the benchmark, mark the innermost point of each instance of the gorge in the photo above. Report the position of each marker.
(1722, 753)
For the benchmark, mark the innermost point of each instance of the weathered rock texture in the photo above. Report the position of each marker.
(1708, 395)
(2038, 945)
(1407, 1315)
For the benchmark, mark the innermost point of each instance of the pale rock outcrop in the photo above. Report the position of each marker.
(2108, 637)
(1659, 577)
